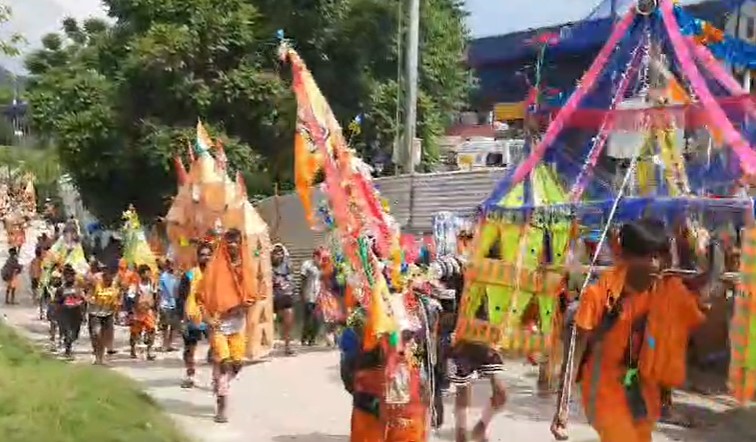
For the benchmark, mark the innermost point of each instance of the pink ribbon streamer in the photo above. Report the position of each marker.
(586, 84)
(598, 145)
(717, 116)
(707, 60)
(375, 213)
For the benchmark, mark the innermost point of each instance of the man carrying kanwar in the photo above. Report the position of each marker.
(632, 333)
(227, 290)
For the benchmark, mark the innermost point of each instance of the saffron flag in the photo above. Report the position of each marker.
(306, 166)
(347, 190)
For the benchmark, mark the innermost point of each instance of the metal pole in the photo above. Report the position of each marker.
(410, 103)
(614, 9)
(736, 33)
(396, 154)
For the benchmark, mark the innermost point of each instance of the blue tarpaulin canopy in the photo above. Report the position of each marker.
(586, 36)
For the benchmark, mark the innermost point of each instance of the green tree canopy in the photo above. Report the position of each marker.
(9, 45)
(121, 100)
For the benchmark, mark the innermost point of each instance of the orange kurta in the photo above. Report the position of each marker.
(603, 392)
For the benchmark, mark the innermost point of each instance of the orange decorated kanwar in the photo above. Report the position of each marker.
(227, 290)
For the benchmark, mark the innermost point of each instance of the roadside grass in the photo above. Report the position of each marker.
(46, 400)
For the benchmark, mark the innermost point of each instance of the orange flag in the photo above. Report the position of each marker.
(306, 166)
(676, 92)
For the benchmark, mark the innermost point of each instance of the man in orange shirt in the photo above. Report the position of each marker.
(613, 322)
(227, 290)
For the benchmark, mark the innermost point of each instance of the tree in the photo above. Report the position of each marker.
(122, 100)
(353, 49)
(9, 46)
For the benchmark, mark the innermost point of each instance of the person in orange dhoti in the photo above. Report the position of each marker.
(126, 281)
(632, 335)
(143, 318)
(227, 290)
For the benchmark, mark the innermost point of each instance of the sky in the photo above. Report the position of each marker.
(494, 17)
(35, 18)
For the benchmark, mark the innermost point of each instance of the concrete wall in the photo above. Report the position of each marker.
(413, 203)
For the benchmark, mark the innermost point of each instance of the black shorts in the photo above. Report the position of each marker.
(97, 324)
(169, 319)
(282, 303)
(470, 359)
(192, 336)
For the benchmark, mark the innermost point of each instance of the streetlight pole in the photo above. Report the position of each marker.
(410, 100)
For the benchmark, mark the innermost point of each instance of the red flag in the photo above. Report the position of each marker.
(181, 174)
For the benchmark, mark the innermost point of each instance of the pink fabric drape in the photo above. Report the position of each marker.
(718, 71)
(718, 118)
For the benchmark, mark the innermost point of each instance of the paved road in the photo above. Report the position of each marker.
(300, 398)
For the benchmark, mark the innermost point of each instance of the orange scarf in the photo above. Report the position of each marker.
(223, 287)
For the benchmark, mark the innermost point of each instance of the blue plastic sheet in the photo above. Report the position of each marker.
(732, 51)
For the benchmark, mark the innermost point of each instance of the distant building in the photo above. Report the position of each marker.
(503, 63)
(742, 24)
(15, 114)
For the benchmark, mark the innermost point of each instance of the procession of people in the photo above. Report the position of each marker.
(609, 303)
(209, 301)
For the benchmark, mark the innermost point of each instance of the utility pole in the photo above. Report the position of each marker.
(410, 100)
